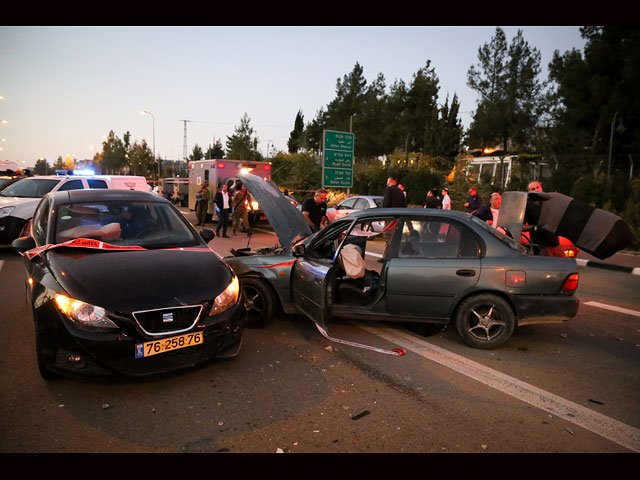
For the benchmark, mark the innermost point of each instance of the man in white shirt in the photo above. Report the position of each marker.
(446, 200)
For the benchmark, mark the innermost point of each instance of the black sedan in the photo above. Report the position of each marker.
(120, 283)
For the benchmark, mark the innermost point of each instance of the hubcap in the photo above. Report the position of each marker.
(487, 325)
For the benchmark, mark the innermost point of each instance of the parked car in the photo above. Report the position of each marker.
(19, 200)
(356, 204)
(120, 283)
(442, 267)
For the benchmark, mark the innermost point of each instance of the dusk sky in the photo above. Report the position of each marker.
(65, 88)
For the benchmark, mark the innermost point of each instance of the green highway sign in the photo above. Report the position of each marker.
(337, 158)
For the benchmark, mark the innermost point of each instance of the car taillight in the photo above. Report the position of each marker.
(571, 283)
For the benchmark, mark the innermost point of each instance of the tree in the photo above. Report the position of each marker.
(141, 161)
(506, 79)
(197, 154)
(114, 153)
(597, 95)
(41, 167)
(296, 137)
(421, 107)
(215, 151)
(240, 145)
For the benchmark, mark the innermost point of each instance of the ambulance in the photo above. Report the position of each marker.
(217, 172)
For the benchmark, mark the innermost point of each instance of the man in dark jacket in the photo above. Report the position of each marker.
(474, 201)
(223, 208)
(393, 196)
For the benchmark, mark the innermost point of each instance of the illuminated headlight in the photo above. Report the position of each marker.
(6, 211)
(85, 316)
(255, 205)
(227, 299)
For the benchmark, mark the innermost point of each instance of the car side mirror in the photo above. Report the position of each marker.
(298, 250)
(207, 234)
(23, 244)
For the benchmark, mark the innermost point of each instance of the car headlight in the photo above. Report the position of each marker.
(6, 211)
(227, 299)
(255, 205)
(84, 315)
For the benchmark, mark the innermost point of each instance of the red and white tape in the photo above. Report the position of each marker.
(96, 245)
(398, 352)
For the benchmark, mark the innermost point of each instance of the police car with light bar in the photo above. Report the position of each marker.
(19, 200)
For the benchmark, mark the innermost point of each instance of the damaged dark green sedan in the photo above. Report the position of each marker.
(437, 267)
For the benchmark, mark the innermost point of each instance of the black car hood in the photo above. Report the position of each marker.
(128, 281)
(287, 221)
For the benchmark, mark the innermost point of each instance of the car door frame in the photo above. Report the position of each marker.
(312, 279)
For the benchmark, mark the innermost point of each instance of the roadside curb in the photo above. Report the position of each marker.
(608, 266)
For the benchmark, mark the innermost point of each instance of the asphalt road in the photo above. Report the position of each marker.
(570, 388)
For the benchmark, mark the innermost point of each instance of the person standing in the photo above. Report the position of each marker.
(240, 212)
(433, 201)
(315, 210)
(489, 212)
(446, 199)
(474, 201)
(393, 198)
(223, 205)
(202, 204)
(547, 241)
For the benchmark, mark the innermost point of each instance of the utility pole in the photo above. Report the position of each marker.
(184, 144)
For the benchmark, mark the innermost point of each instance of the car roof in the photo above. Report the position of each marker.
(403, 211)
(71, 196)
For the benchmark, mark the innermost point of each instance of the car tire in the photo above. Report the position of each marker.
(45, 373)
(485, 321)
(259, 301)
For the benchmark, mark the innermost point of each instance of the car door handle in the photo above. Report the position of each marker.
(466, 273)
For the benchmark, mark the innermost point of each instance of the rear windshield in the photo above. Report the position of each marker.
(499, 234)
(30, 187)
(146, 224)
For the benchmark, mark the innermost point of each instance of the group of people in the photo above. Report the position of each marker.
(434, 201)
(226, 205)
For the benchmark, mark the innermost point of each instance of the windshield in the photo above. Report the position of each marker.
(30, 187)
(378, 201)
(145, 224)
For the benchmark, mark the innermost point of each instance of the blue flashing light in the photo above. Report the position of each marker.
(86, 171)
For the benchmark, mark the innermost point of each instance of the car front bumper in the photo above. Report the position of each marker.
(71, 352)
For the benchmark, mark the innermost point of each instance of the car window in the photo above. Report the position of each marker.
(437, 238)
(93, 183)
(146, 224)
(361, 204)
(41, 221)
(30, 187)
(378, 202)
(348, 203)
(71, 185)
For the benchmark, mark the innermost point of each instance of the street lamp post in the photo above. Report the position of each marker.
(154, 140)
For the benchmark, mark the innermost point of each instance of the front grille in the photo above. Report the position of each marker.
(168, 320)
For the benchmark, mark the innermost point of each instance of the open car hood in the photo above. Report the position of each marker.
(591, 229)
(285, 219)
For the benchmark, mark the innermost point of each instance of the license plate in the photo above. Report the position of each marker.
(155, 347)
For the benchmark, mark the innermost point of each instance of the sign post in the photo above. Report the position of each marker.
(337, 159)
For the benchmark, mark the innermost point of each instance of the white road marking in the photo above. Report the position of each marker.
(618, 432)
(377, 255)
(613, 308)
